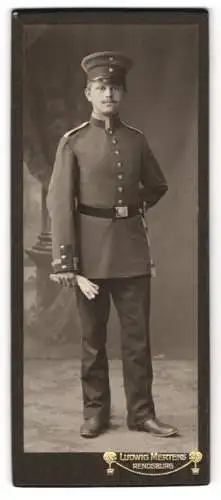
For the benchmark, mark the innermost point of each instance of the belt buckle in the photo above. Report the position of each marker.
(121, 212)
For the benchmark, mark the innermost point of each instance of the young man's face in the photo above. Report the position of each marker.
(104, 97)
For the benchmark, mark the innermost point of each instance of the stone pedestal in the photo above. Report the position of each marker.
(55, 320)
(41, 255)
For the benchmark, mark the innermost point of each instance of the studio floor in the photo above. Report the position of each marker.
(53, 408)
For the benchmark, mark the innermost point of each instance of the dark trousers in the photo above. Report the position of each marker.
(131, 297)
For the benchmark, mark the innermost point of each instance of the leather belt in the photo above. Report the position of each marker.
(118, 212)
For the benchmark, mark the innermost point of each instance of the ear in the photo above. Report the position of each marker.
(87, 93)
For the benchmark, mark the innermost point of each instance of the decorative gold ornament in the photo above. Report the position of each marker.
(110, 457)
(196, 457)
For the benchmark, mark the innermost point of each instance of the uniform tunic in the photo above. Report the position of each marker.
(102, 168)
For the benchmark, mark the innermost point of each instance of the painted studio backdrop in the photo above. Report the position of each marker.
(162, 101)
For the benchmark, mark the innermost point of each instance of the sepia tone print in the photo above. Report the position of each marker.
(162, 102)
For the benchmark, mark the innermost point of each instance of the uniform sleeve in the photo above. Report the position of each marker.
(154, 184)
(61, 202)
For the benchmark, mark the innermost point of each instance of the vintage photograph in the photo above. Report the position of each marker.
(110, 207)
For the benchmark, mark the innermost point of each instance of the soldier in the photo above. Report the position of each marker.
(104, 174)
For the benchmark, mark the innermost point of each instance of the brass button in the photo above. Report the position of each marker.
(110, 131)
(120, 189)
(63, 256)
(119, 163)
(111, 58)
(120, 176)
(110, 70)
(117, 152)
(114, 140)
(120, 202)
(64, 266)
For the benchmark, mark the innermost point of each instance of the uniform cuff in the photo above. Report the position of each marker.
(67, 261)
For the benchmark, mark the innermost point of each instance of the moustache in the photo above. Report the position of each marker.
(108, 102)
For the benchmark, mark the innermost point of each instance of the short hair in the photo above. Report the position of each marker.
(122, 84)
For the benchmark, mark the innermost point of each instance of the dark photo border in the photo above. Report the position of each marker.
(88, 469)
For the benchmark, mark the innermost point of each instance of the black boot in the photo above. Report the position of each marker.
(154, 427)
(93, 426)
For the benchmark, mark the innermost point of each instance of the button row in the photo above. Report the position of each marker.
(119, 164)
(120, 176)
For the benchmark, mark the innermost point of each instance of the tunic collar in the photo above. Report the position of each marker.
(108, 123)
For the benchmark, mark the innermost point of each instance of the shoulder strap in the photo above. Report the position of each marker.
(132, 128)
(73, 130)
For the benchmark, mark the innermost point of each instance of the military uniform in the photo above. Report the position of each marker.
(104, 170)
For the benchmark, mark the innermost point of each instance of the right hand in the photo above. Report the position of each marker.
(88, 288)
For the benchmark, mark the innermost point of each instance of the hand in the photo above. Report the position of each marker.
(66, 279)
(88, 288)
